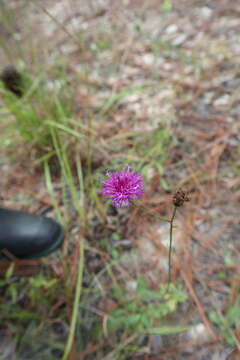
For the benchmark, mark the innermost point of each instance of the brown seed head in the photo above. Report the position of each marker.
(180, 197)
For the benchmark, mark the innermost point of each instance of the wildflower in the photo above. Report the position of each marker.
(123, 186)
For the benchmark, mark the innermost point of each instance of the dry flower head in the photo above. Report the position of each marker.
(180, 197)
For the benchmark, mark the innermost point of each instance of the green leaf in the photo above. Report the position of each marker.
(132, 307)
(214, 317)
(167, 6)
(167, 330)
(12, 290)
(228, 260)
(146, 321)
(9, 271)
(141, 283)
(164, 184)
(222, 275)
(229, 338)
(233, 314)
(117, 313)
(146, 294)
(133, 319)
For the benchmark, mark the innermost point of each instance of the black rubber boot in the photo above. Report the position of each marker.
(29, 236)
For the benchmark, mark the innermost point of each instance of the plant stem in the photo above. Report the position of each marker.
(76, 303)
(170, 245)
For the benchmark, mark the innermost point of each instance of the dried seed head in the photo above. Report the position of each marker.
(12, 80)
(180, 197)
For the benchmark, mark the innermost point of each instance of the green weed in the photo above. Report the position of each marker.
(227, 323)
(148, 308)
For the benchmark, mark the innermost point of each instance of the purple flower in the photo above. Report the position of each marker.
(123, 186)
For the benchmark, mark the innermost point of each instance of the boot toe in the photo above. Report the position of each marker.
(29, 235)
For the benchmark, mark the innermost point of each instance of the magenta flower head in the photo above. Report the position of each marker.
(123, 186)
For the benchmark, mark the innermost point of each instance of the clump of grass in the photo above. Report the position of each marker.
(35, 108)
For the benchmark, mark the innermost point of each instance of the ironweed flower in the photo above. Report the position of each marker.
(122, 187)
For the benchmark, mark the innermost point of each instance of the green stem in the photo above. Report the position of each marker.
(76, 303)
(170, 245)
